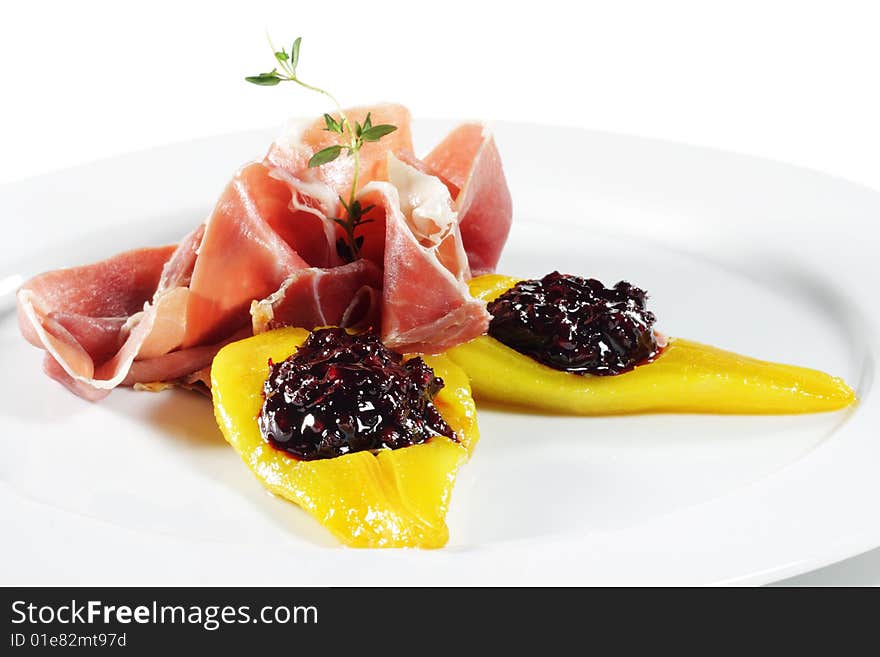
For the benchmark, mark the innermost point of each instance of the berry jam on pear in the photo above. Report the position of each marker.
(682, 377)
(342, 393)
(576, 324)
(369, 497)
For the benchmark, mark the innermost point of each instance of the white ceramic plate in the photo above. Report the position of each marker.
(758, 257)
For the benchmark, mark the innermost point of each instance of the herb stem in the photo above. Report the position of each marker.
(291, 75)
(357, 171)
(356, 135)
(321, 91)
(352, 147)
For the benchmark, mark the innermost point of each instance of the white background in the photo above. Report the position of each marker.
(793, 81)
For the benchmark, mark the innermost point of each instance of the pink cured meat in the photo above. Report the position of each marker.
(345, 296)
(253, 242)
(426, 305)
(241, 257)
(81, 317)
(266, 257)
(467, 160)
(318, 189)
(186, 366)
(160, 314)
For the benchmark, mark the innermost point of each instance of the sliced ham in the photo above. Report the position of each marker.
(80, 316)
(160, 315)
(318, 189)
(177, 271)
(342, 296)
(308, 231)
(467, 160)
(241, 257)
(267, 257)
(426, 306)
(186, 366)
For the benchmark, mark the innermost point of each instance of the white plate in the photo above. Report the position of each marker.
(762, 258)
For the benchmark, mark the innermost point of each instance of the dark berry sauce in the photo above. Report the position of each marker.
(576, 324)
(342, 393)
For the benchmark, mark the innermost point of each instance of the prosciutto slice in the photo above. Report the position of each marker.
(241, 257)
(267, 257)
(161, 314)
(347, 296)
(426, 306)
(467, 160)
(80, 316)
(318, 189)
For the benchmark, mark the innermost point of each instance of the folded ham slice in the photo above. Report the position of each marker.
(467, 160)
(161, 314)
(426, 306)
(267, 257)
(80, 316)
(241, 257)
(347, 296)
(318, 189)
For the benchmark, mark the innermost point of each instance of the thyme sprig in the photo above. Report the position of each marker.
(352, 135)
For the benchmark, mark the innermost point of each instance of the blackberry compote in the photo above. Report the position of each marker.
(576, 324)
(342, 393)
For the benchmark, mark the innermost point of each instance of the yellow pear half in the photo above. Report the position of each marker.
(686, 377)
(394, 498)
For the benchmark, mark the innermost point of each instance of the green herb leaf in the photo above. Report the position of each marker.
(344, 250)
(352, 137)
(376, 132)
(325, 155)
(294, 53)
(265, 79)
(332, 124)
